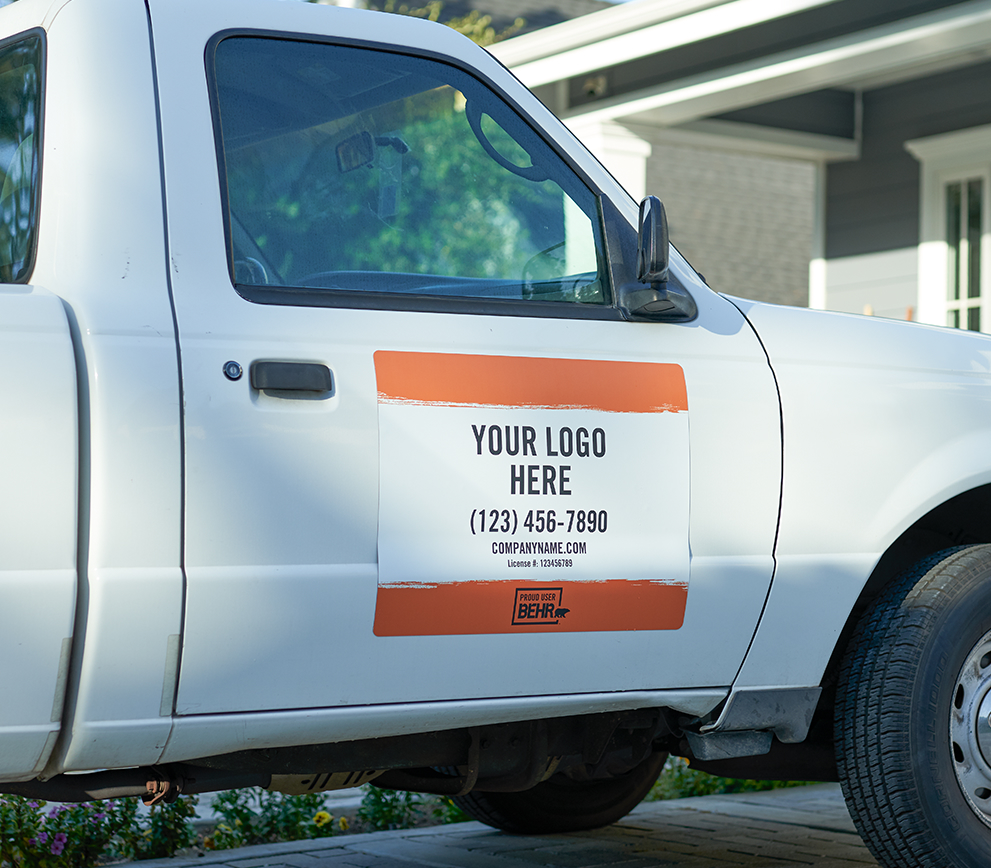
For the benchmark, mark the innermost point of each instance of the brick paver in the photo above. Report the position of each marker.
(804, 826)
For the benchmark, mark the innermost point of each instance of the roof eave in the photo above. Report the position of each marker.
(927, 41)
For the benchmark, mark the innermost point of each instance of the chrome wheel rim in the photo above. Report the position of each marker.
(970, 729)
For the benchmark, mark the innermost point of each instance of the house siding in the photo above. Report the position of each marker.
(744, 220)
(883, 284)
(872, 204)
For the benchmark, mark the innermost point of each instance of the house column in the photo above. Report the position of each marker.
(817, 263)
(623, 153)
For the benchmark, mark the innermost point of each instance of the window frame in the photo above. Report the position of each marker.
(31, 254)
(335, 298)
(966, 303)
(955, 157)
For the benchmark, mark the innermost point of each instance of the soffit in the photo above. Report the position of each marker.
(895, 52)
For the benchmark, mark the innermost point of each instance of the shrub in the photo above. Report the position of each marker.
(256, 816)
(679, 781)
(34, 835)
(382, 810)
(167, 830)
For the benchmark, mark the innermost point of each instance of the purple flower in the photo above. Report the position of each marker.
(42, 837)
(33, 804)
(58, 845)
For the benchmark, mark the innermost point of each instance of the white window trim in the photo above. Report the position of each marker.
(945, 158)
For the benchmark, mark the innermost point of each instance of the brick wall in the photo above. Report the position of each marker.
(743, 220)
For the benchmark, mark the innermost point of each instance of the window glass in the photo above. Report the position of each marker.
(20, 118)
(353, 169)
(964, 206)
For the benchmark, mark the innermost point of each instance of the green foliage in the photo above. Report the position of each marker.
(32, 835)
(35, 835)
(256, 816)
(679, 781)
(426, 174)
(382, 810)
(474, 25)
(456, 212)
(167, 830)
(444, 811)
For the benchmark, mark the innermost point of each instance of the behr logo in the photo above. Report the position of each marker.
(538, 606)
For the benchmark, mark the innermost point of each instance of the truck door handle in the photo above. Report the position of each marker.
(291, 377)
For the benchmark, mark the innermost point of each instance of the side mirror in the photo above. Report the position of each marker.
(660, 299)
(653, 242)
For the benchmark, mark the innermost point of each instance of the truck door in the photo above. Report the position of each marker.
(426, 456)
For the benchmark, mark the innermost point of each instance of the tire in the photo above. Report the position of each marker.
(914, 765)
(560, 804)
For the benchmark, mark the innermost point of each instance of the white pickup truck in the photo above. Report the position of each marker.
(354, 429)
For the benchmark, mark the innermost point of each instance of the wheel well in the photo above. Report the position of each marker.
(961, 520)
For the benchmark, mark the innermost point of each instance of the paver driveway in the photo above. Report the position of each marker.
(802, 826)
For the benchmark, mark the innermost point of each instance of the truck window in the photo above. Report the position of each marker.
(353, 169)
(20, 134)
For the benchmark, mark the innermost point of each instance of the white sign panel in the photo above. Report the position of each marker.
(522, 494)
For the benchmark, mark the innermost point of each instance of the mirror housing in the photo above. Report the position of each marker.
(653, 242)
(660, 299)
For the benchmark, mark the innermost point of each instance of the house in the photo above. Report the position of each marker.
(829, 152)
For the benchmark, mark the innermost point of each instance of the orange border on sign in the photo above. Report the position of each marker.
(450, 379)
(484, 607)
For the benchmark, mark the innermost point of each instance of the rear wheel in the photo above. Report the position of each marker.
(913, 735)
(560, 804)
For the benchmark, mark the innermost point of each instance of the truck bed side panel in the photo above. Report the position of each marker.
(38, 472)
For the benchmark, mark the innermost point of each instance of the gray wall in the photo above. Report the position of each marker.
(873, 203)
(743, 220)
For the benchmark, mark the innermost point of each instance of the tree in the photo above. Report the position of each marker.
(475, 25)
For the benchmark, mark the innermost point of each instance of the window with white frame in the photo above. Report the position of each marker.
(964, 209)
(954, 276)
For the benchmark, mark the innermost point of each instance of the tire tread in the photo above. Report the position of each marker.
(872, 711)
